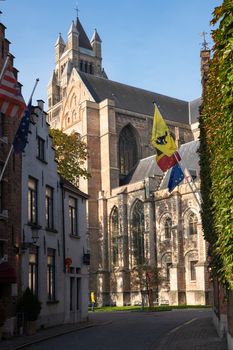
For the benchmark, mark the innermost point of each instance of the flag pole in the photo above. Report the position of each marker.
(11, 148)
(187, 179)
(183, 171)
(4, 67)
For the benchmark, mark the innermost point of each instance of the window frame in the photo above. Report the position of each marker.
(32, 201)
(41, 149)
(168, 267)
(51, 274)
(193, 274)
(114, 229)
(167, 228)
(33, 271)
(138, 231)
(49, 207)
(127, 150)
(192, 224)
(73, 216)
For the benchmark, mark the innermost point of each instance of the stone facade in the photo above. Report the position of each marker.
(126, 206)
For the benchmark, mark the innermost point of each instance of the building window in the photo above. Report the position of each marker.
(193, 270)
(49, 207)
(74, 117)
(138, 233)
(32, 201)
(33, 272)
(128, 154)
(51, 274)
(192, 224)
(81, 65)
(167, 228)
(73, 216)
(41, 148)
(114, 227)
(86, 67)
(169, 265)
(91, 68)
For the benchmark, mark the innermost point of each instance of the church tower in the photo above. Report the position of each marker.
(78, 52)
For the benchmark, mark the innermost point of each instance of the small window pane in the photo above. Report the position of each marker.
(193, 270)
(32, 201)
(41, 148)
(192, 224)
(73, 216)
(167, 228)
(49, 207)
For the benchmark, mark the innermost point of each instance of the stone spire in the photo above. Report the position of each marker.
(96, 44)
(205, 61)
(59, 47)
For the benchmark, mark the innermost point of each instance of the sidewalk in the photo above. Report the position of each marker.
(197, 334)
(19, 342)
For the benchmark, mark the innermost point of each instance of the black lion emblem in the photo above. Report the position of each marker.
(162, 139)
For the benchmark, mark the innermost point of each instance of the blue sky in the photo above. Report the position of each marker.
(151, 44)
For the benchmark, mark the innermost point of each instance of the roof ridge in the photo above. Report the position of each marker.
(134, 87)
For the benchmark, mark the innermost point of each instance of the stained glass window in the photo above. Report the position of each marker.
(138, 233)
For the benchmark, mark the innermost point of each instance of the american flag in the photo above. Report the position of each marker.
(11, 101)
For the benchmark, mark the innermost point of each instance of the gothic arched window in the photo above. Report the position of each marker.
(192, 224)
(128, 150)
(138, 233)
(114, 227)
(167, 228)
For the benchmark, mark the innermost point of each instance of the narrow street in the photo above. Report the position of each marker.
(133, 331)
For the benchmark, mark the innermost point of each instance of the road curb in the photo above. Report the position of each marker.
(35, 341)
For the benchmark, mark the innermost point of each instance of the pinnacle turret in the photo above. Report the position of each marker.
(96, 37)
(73, 28)
(60, 40)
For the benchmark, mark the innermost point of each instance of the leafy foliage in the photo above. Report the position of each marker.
(30, 305)
(148, 278)
(71, 154)
(216, 151)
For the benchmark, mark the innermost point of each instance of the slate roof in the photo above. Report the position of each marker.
(190, 160)
(72, 188)
(83, 39)
(194, 110)
(136, 100)
(145, 168)
(148, 167)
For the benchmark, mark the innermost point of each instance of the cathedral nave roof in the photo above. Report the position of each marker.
(136, 100)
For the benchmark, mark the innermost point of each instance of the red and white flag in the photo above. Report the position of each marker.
(11, 101)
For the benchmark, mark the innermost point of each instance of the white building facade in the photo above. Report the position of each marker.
(50, 227)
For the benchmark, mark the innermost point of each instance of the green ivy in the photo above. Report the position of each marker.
(216, 146)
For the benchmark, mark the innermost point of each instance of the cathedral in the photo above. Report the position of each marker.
(141, 237)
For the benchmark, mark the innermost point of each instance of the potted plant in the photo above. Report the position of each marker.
(2, 318)
(30, 305)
